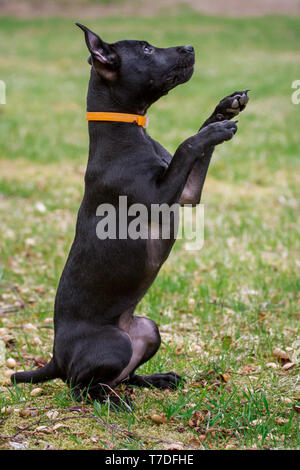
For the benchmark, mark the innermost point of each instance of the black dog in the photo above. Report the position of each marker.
(98, 340)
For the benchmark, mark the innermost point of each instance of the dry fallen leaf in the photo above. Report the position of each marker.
(39, 361)
(281, 421)
(196, 420)
(159, 419)
(225, 377)
(194, 442)
(24, 413)
(11, 363)
(36, 340)
(52, 414)
(256, 422)
(60, 426)
(29, 327)
(36, 391)
(286, 400)
(246, 370)
(272, 365)
(174, 447)
(180, 429)
(44, 429)
(7, 410)
(288, 366)
(281, 354)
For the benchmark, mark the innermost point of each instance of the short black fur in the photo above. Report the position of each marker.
(98, 340)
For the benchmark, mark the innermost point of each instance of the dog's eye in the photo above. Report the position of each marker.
(148, 49)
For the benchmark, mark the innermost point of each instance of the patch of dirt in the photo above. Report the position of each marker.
(91, 8)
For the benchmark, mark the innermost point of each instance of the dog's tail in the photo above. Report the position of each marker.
(48, 372)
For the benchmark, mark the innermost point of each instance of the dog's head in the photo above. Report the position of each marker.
(137, 72)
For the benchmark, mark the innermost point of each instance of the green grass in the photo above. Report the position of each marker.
(221, 311)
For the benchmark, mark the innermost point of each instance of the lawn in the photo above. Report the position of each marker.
(228, 314)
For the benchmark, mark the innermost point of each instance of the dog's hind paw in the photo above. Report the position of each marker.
(170, 380)
(231, 105)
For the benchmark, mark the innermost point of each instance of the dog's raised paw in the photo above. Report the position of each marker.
(232, 105)
(218, 132)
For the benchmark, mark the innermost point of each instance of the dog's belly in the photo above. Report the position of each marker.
(145, 339)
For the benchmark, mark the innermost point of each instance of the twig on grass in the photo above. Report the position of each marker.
(115, 393)
(114, 429)
(10, 309)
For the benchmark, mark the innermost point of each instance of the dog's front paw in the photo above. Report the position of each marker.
(231, 105)
(217, 132)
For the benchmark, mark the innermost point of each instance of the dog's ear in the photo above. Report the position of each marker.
(103, 57)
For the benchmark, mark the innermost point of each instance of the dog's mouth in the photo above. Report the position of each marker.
(181, 73)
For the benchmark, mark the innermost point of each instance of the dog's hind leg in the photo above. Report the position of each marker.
(97, 359)
(146, 340)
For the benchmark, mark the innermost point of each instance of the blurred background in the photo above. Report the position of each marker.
(238, 298)
(89, 8)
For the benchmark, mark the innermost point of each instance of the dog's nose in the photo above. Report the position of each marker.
(186, 49)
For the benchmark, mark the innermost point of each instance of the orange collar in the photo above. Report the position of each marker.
(119, 117)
